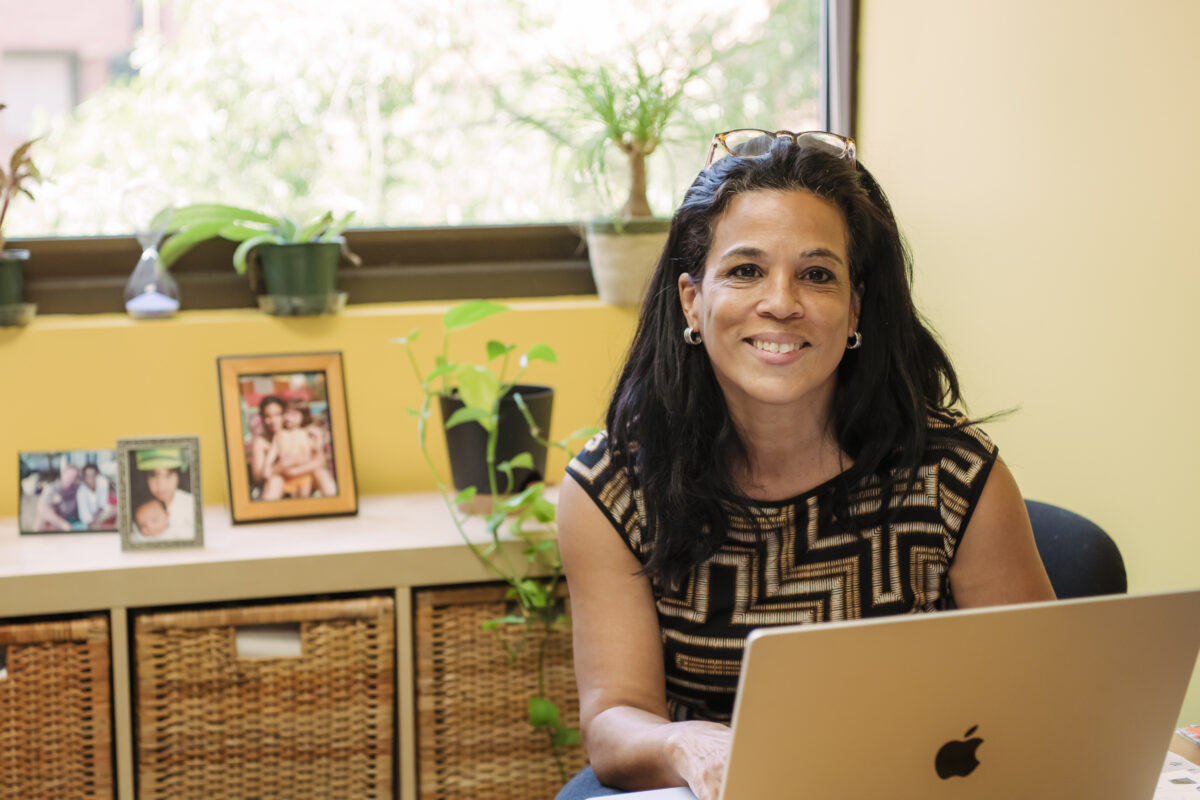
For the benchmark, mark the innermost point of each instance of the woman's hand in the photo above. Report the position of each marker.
(699, 752)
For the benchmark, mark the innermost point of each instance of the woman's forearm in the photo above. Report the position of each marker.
(634, 749)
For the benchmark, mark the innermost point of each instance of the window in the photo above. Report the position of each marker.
(443, 126)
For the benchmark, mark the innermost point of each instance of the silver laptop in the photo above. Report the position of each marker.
(1070, 699)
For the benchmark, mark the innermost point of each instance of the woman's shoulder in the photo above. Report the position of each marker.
(594, 459)
(952, 430)
(610, 484)
(601, 469)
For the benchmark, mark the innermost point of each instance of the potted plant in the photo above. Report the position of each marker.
(626, 107)
(298, 263)
(517, 509)
(12, 262)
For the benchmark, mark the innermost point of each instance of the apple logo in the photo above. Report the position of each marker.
(958, 757)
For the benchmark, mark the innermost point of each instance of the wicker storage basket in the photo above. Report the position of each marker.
(319, 725)
(55, 718)
(474, 736)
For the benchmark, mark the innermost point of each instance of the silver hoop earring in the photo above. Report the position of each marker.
(691, 337)
(854, 342)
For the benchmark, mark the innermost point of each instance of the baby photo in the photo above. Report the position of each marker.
(160, 493)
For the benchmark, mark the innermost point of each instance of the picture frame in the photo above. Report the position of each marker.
(67, 491)
(160, 501)
(287, 436)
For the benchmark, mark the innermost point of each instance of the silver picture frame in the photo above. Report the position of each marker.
(159, 494)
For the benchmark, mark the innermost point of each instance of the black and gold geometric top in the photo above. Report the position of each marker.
(799, 563)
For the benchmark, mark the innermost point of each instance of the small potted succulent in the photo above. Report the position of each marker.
(298, 263)
(14, 178)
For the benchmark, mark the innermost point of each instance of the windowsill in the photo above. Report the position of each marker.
(87, 275)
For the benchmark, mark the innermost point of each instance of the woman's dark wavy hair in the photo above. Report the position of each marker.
(668, 421)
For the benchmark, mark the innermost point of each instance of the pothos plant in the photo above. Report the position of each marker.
(526, 516)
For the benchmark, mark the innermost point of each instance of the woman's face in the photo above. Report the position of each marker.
(775, 306)
(272, 416)
(163, 483)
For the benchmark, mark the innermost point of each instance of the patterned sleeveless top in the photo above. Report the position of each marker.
(792, 568)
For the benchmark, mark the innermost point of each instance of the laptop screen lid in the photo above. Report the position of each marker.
(1074, 698)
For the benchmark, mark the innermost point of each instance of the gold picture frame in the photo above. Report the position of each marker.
(287, 436)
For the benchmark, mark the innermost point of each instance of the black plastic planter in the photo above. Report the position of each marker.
(467, 443)
(306, 269)
(12, 276)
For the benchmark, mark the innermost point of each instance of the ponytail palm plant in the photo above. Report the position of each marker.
(626, 104)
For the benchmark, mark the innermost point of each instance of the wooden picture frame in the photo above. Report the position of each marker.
(287, 436)
(159, 500)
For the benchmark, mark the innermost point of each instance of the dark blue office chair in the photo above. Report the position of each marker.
(1079, 556)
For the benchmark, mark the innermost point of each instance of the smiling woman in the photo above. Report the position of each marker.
(783, 447)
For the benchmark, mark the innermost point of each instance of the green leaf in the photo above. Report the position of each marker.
(492, 624)
(313, 230)
(465, 496)
(287, 229)
(467, 414)
(465, 314)
(527, 496)
(337, 228)
(542, 713)
(540, 352)
(584, 433)
(521, 461)
(185, 240)
(413, 335)
(566, 737)
(236, 232)
(204, 213)
(543, 510)
(539, 547)
(478, 388)
(533, 594)
(243, 250)
(438, 372)
(497, 349)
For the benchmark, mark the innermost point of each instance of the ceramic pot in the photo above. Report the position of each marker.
(623, 257)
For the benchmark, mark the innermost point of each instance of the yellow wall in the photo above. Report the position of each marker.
(82, 382)
(1042, 160)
